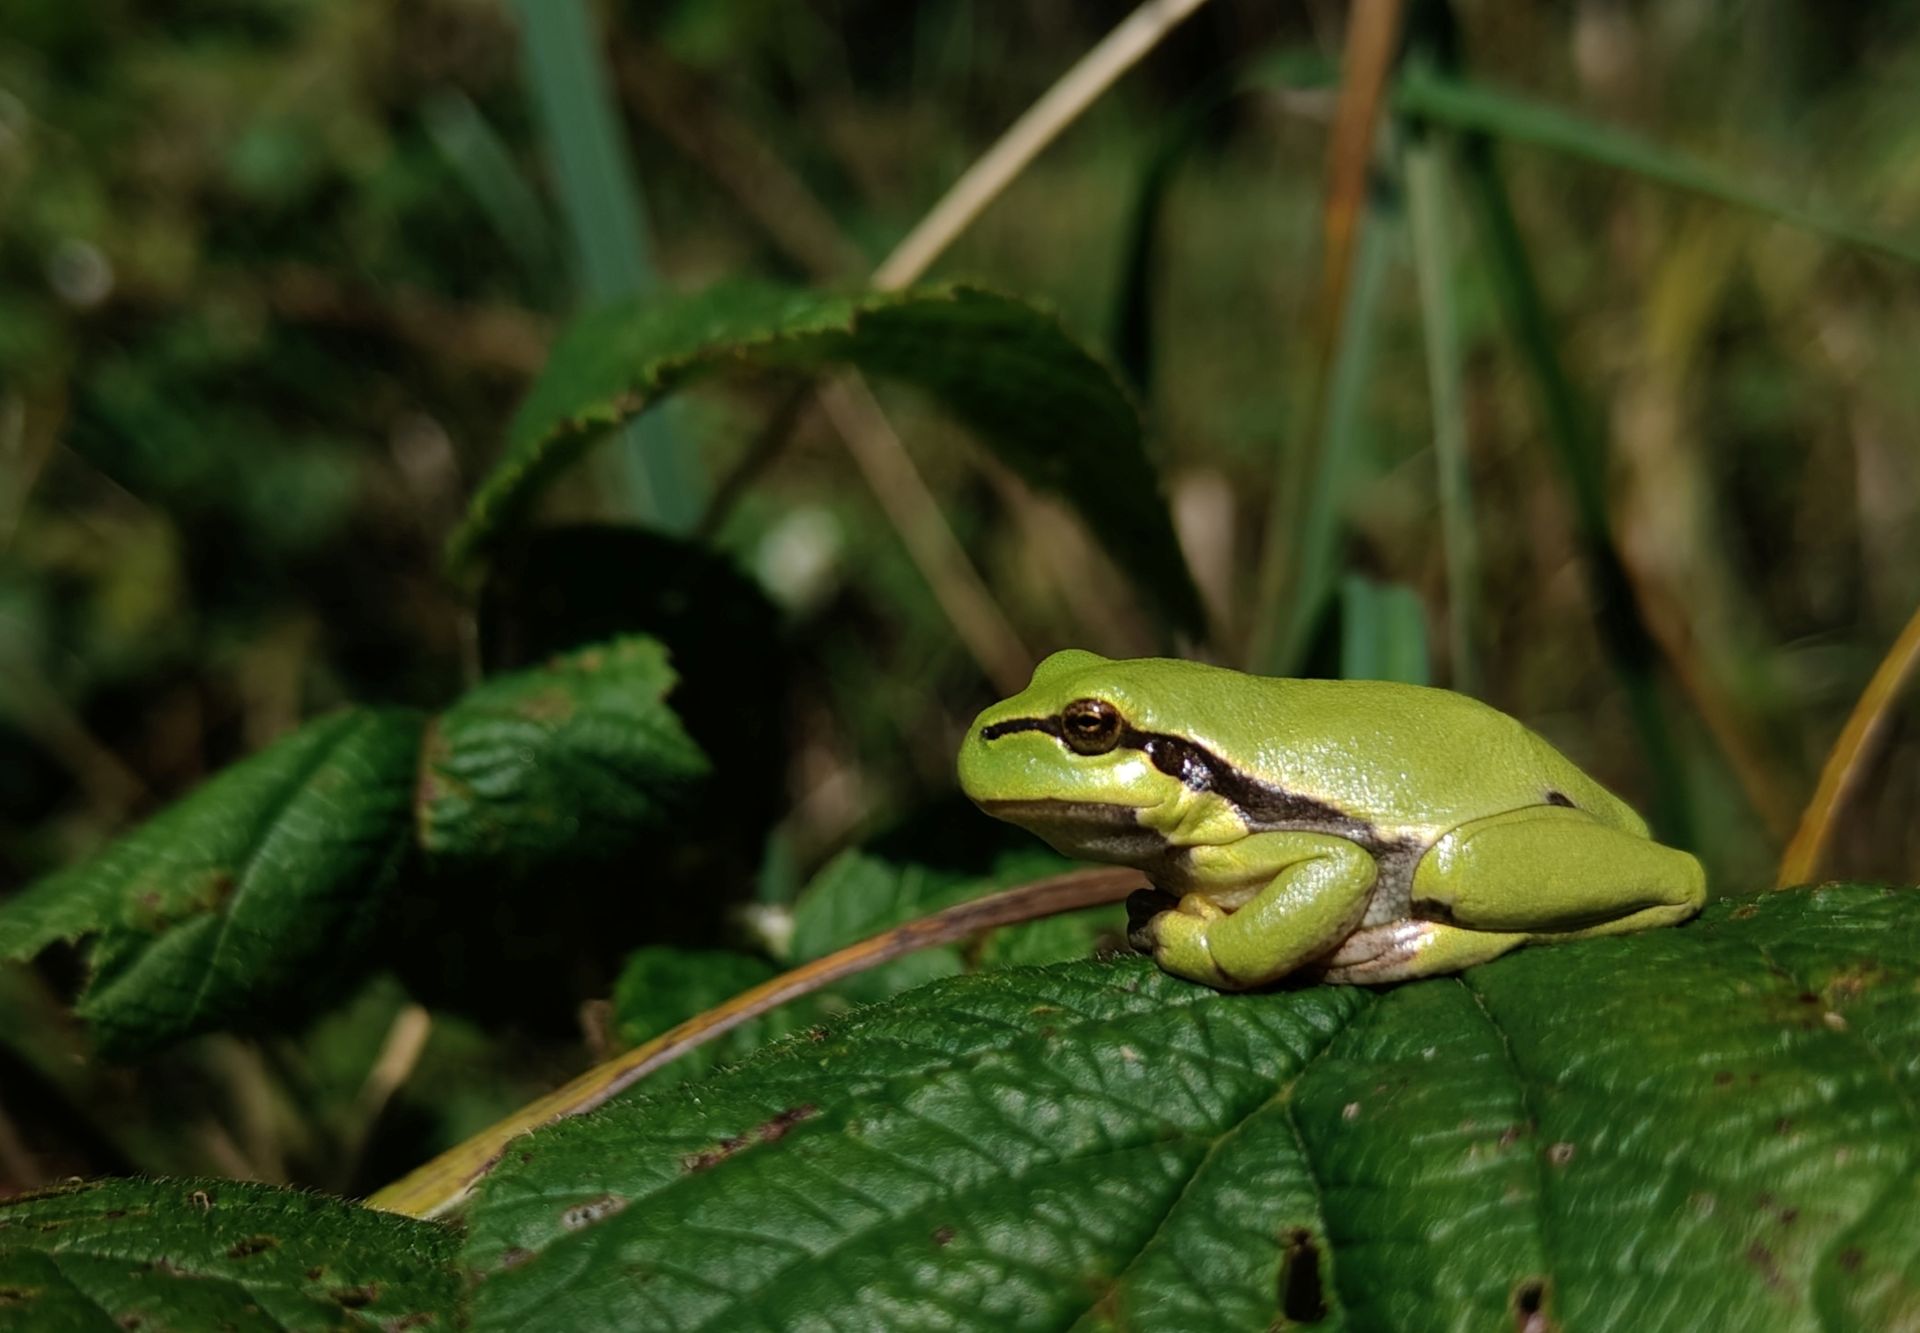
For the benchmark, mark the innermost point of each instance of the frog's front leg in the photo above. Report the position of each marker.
(1317, 894)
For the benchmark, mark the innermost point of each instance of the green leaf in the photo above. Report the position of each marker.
(1046, 406)
(574, 584)
(247, 901)
(206, 1254)
(1712, 1126)
(578, 756)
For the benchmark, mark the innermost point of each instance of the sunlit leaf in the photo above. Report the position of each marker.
(1707, 1126)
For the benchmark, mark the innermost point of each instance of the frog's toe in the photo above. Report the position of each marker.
(1201, 907)
(1178, 943)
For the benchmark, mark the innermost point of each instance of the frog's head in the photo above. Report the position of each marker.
(1083, 758)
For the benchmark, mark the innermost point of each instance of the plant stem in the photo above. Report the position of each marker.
(1473, 108)
(1312, 534)
(916, 516)
(984, 181)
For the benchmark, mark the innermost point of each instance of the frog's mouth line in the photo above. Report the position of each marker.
(1085, 830)
(1046, 810)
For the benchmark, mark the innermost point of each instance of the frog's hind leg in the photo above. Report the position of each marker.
(1551, 871)
(1546, 872)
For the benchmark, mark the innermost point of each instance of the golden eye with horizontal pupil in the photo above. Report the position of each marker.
(1090, 726)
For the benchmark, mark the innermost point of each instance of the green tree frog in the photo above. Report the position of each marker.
(1355, 831)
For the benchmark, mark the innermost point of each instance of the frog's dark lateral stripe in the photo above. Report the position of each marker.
(1261, 804)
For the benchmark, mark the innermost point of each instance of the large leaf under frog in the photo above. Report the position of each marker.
(1710, 1126)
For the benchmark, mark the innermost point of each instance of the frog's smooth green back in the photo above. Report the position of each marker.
(1405, 756)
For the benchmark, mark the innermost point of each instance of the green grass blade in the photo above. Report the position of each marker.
(1429, 178)
(1314, 531)
(600, 197)
(1383, 632)
(479, 157)
(1467, 106)
(1572, 430)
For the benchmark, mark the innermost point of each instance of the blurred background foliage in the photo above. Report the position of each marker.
(274, 273)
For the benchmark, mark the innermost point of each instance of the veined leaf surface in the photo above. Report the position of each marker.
(1709, 1126)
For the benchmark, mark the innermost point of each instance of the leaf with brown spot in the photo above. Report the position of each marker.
(249, 1256)
(593, 1210)
(245, 903)
(577, 756)
(955, 1165)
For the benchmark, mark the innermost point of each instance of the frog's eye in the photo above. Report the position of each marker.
(1090, 726)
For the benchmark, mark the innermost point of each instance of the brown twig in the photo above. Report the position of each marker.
(1373, 38)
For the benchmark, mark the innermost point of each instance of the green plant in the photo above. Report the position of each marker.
(1714, 1124)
